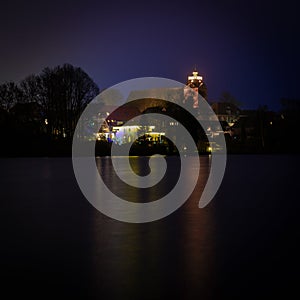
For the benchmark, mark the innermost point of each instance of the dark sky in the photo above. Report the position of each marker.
(249, 48)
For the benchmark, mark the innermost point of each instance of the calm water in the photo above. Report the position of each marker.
(243, 245)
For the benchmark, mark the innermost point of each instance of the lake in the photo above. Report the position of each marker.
(242, 245)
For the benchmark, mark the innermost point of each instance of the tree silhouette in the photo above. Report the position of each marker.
(31, 88)
(202, 90)
(65, 91)
(10, 94)
(227, 97)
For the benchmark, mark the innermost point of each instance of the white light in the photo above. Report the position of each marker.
(195, 77)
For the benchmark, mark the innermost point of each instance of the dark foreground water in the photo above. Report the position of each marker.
(243, 245)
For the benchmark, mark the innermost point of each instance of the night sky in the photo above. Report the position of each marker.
(249, 48)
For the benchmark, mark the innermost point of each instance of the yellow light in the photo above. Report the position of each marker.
(195, 77)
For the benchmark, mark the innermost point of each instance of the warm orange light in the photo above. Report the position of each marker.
(195, 76)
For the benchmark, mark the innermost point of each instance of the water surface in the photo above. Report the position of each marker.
(243, 245)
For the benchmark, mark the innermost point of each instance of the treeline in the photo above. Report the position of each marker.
(43, 109)
(39, 114)
(265, 131)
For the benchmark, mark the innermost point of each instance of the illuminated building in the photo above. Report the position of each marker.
(194, 82)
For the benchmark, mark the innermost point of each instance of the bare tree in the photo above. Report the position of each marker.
(227, 97)
(66, 90)
(31, 88)
(10, 94)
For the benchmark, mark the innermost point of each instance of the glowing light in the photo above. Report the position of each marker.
(195, 78)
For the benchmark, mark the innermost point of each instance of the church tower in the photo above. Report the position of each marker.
(195, 80)
(196, 83)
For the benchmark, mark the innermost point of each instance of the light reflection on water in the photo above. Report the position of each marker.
(173, 252)
(243, 244)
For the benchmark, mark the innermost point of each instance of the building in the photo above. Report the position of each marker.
(196, 82)
(226, 112)
(142, 102)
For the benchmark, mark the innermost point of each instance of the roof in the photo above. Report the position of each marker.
(124, 113)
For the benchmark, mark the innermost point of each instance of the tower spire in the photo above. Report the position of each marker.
(194, 82)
